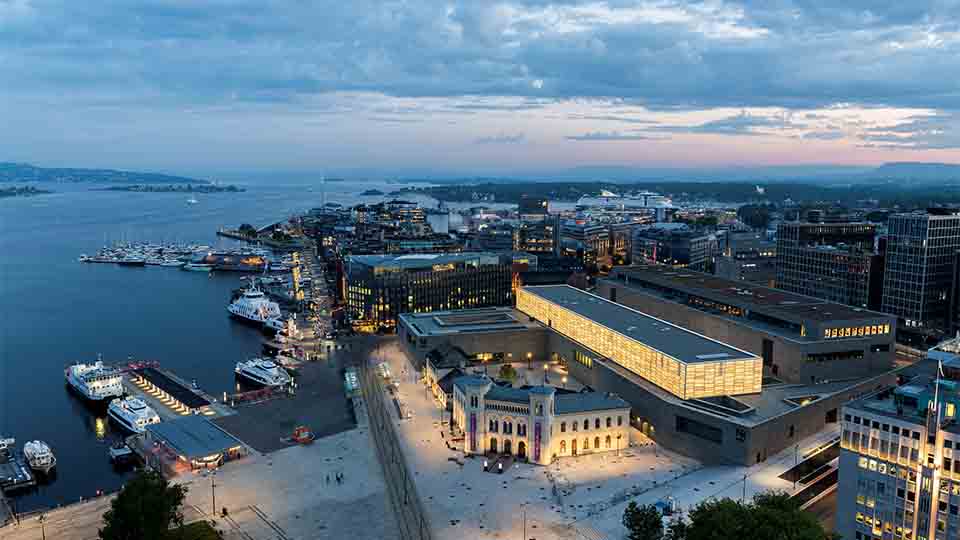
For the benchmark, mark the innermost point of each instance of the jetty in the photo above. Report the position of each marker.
(14, 472)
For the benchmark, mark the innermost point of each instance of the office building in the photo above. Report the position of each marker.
(747, 256)
(919, 267)
(899, 462)
(379, 287)
(538, 237)
(532, 209)
(800, 339)
(692, 394)
(676, 245)
(495, 238)
(833, 261)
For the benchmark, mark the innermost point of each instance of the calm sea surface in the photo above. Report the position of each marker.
(56, 311)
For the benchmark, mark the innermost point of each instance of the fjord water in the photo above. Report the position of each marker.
(56, 311)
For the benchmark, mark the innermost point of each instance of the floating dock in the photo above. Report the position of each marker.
(14, 472)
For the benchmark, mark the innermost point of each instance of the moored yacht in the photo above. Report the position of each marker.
(39, 456)
(254, 306)
(96, 382)
(263, 372)
(132, 414)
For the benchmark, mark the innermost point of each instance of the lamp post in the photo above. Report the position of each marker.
(213, 491)
(618, 445)
(43, 531)
(545, 368)
(523, 508)
(564, 381)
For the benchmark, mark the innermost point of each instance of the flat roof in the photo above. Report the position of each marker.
(740, 293)
(194, 436)
(445, 323)
(668, 338)
(176, 390)
(418, 260)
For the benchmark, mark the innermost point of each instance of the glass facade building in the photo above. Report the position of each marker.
(677, 360)
(379, 287)
(832, 261)
(919, 269)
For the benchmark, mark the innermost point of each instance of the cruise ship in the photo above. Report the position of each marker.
(39, 456)
(254, 306)
(95, 382)
(263, 372)
(132, 414)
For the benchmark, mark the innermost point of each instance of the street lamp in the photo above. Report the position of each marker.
(618, 445)
(213, 491)
(523, 508)
(564, 381)
(43, 531)
(545, 368)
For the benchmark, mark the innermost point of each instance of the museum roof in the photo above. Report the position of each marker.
(670, 339)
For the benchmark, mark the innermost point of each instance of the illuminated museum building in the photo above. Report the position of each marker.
(691, 393)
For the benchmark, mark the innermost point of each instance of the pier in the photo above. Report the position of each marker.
(170, 396)
(14, 472)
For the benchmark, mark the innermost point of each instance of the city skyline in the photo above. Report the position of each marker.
(477, 88)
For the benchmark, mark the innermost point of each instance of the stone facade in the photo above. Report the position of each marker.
(530, 423)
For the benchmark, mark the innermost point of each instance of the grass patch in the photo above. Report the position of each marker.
(198, 530)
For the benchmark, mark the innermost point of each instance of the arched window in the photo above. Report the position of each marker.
(575, 424)
(563, 447)
(586, 424)
(596, 423)
(596, 443)
(619, 420)
(608, 440)
(586, 443)
(563, 427)
(608, 421)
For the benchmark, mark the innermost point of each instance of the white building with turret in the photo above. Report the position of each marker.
(538, 423)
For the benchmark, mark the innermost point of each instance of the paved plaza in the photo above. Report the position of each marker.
(577, 497)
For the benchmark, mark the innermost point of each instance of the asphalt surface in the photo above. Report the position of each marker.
(320, 404)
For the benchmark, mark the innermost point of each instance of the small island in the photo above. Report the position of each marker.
(22, 191)
(177, 188)
(372, 193)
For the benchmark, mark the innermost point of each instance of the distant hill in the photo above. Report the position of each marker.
(24, 172)
(916, 172)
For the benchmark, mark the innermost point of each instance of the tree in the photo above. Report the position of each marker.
(643, 522)
(770, 516)
(676, 529)
(247, 229)
(145, 509)
(508, 373)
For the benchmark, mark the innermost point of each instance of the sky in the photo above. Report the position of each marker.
(477, 87)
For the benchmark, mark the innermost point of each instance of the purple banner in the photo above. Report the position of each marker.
(536, 441)
(473, 432)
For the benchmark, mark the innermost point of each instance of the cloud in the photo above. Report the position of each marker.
(502, 138)
(830, 135)
(614, 136)
(932, 132)
(743, 123)
(664, 55)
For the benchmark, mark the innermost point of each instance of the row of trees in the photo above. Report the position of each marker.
(770, 516)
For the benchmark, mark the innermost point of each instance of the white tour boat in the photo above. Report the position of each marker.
(39, 456)
(263, 372)
(132, 414)
(254, 306)
(96, 381)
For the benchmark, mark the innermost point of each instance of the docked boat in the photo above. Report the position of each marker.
(132, 414)
(171, 263)
(198, 267)
(132, 260)
(254, 306)
(263, 372)
(95, 382)
(154, 261)
(120, 454)
(39, 456)
(192, 200)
